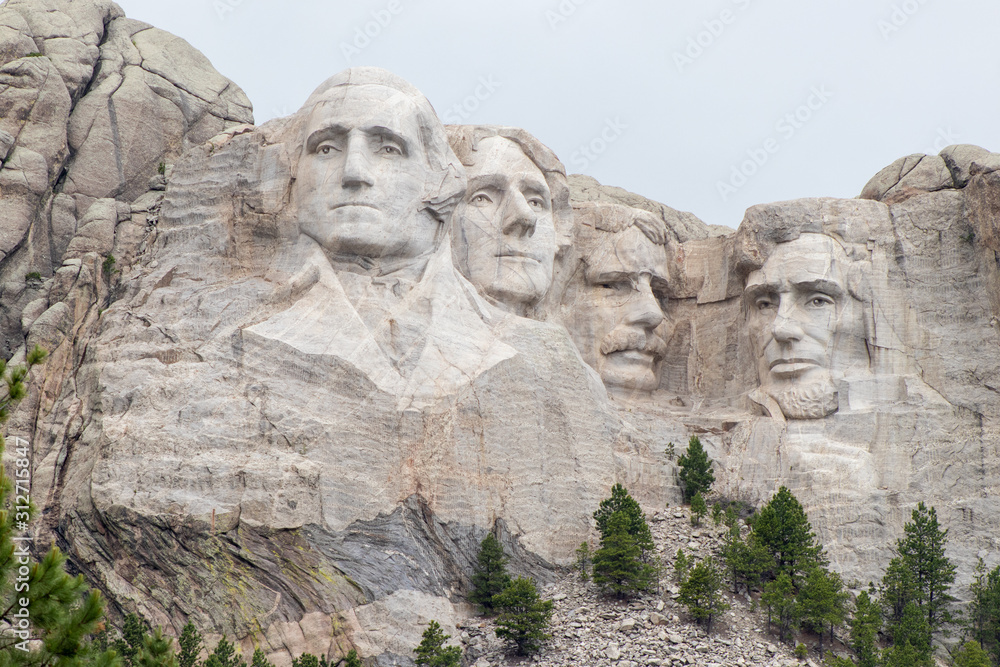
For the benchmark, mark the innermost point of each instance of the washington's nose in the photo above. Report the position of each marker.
(357, 171)
(519, 218)
(644, 308)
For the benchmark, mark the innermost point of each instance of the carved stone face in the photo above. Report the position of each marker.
(804, 324)
(362, 176)
(617, 318)
(504, 236)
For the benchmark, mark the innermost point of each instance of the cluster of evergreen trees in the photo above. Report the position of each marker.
(137, 646)
(776, 553)
(522, 615)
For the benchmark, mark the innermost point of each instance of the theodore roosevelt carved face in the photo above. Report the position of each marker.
(805, 323)
(615, 302)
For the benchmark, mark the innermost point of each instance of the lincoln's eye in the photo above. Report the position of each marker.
(820, 301)
(480, 199)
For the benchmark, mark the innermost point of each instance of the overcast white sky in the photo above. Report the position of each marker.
(668, 99)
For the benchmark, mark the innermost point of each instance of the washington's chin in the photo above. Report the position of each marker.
(342, 229)
(631, 369)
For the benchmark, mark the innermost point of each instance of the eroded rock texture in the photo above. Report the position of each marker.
(264, 413)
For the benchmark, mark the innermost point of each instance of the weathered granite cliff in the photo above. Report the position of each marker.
(298, 371)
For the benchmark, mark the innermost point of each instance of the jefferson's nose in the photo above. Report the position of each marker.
(519, 217)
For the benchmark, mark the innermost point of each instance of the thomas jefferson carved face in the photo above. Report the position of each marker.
(805, 325)
(617, 319)
(504, 236)
(363, 175)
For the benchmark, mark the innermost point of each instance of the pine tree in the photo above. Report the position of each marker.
(831, 660)
(681, 565)
(746, 560)
(259, 659)
(911, 640)
(190, 646)
(718, 514)
(157, 651)
(922, 551)
(972, 655)
(621, 502)
(583, 560)
(523, 616)
(984, 610)
(698, 509)
(59, 609)
(779, 597)
(433, 653)
(133, 636)
(822, 602)
(700, 593)
(225, 655)
(309, 660)
(904, 655)
(865, 624)
(695, 470)
(352, 659)
(896, 591)
(490, 575)
(618, 567)
(784, 530)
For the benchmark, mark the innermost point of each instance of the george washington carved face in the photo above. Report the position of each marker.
(363, 175)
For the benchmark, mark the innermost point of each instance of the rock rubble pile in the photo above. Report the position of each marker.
(653, 630)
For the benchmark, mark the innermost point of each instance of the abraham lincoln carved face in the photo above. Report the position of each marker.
(806, 324)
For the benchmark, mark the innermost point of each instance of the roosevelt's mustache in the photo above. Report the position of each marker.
(633, 339)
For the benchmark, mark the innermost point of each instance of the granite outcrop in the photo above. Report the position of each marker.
(299, 370)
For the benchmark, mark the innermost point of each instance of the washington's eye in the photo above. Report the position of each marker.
(326, 149)
(480, 199)
(535, 202)
(389, 149)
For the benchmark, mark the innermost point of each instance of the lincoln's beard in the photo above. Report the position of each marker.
(814, 400)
